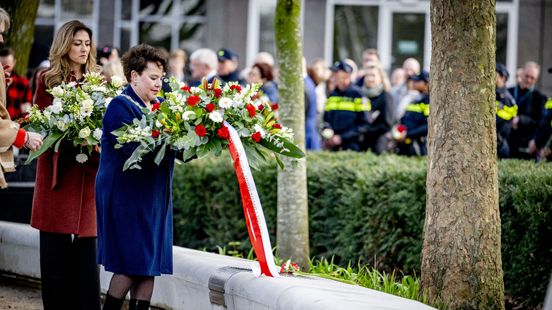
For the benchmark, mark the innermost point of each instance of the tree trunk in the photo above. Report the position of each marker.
(293, 227)
(21, 33)
(461, 261)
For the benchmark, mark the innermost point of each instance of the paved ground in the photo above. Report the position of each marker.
(24, 294)
(19, 295)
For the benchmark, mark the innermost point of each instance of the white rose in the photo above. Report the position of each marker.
(225, 102)
(188, 115)
(158, 124)
(72, 84)
(56, 107)
(327, 133)
(97, 134)
(58, 91)
(87, 106)
(117, 81)
(61, 125)
(81, 158)
(215, 116)
(84, 133)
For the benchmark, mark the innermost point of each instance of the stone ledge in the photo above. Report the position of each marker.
(204, 280)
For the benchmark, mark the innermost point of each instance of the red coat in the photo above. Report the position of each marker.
(63, 199)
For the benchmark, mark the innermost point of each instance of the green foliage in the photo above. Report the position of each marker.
(407, 286)
(369, 210)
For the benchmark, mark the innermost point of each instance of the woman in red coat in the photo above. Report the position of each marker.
(63, 205)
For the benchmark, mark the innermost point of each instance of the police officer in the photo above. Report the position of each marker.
(415, 119)
(506, 110)
(345, 112)
(227, 69)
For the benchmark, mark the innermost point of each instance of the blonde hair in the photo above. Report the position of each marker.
(5, 18)
(60, 69)
(112, 68)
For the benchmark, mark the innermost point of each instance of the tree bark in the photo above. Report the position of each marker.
(461, 260)
(293, 229)
(21, 33)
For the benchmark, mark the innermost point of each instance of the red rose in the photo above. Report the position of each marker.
(401, 128)
(277, 126)
(236, 88)
(156, 106)
(185, 88)
(256, 137)
(274, 106)
(200, 130)
(155, 133)
(217, 92)
(223, 132)
(260, 107)
(251, 109)
(210, 107)
(193, 100)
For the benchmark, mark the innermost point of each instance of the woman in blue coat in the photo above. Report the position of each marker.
(134, 207)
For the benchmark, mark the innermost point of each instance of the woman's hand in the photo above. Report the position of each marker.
(34, 141)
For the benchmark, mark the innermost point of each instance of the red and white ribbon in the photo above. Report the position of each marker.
(252, 209)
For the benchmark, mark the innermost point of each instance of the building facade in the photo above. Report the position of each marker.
(332, 29)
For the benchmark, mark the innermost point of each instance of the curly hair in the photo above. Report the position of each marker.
(137, 58)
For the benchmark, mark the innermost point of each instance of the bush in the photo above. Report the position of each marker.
(369, 210)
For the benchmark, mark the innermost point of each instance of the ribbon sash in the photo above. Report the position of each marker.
(252, 209)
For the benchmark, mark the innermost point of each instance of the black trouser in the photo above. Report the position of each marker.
(69, 272)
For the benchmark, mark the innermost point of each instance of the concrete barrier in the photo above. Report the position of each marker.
(204, 280)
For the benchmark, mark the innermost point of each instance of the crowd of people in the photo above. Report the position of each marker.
(94, 212)
(348, 107)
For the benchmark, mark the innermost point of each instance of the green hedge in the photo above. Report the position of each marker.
(369, 209)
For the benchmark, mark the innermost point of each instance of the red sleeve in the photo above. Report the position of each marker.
(20, 138)
(42, 98)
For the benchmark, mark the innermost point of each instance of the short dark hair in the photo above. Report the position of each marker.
(265, 70)
(6, 51)
(138, 57)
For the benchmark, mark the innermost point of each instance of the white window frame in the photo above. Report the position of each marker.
(253, 29)
(173, 19)
(385, 21)
(57, 21)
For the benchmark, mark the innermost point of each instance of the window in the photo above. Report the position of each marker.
(355, 29)
(160, 23)
(408, 38)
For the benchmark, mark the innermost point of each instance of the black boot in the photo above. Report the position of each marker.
(136, 304)
(112, 303)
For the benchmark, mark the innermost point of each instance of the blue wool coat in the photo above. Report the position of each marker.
(134, 207)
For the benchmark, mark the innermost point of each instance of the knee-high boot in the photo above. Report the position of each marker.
(136, 304)
(112, 303)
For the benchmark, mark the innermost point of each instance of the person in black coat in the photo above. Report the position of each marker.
(530, 102)
(380, 116)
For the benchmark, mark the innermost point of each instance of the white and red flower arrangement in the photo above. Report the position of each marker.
(289, 267)
(196, 120)
(398, 132)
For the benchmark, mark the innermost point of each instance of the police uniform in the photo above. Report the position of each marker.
(415, 120)
(544, 133)
(506, 110)
(345, 113)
